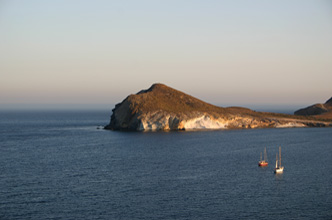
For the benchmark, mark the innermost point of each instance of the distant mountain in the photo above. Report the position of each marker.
(317, 110)
(163, 108)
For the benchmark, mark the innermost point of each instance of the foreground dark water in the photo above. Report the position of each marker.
(58, 165)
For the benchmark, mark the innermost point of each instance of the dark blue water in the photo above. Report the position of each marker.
(58, 165)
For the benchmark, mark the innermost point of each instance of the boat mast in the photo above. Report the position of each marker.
(261, 156)
(276, 160)
(265, 155)
(279, 156)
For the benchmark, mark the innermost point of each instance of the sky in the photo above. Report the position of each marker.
(96, 53)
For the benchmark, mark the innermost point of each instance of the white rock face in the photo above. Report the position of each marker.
(291, 125)
(165, 121)
(158, 121)
(204, 122)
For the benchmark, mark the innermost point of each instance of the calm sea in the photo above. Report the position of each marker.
(58, 165)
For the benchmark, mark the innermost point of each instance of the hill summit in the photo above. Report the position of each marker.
(160, 97)
(163, 108)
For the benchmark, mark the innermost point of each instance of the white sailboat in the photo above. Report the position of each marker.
(279, 168)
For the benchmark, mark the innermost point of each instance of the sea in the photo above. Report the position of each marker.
(63, 165)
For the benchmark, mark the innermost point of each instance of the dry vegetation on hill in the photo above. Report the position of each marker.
(161, 97)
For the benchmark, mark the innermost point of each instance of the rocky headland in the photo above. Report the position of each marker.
(319, 110)
(163, 108)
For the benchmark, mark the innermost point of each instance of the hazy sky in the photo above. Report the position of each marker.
(223, 52)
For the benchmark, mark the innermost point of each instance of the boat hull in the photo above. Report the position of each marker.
(279, 170)
(263, 164)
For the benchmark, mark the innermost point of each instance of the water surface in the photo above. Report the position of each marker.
(58, 165)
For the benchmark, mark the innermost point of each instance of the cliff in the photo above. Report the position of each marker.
(318, 110)
(163, 108)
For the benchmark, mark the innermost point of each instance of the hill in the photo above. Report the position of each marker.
(163, 108)
(321, 111)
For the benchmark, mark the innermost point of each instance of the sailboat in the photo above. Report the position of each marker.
(263, 163)
(279, 168)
